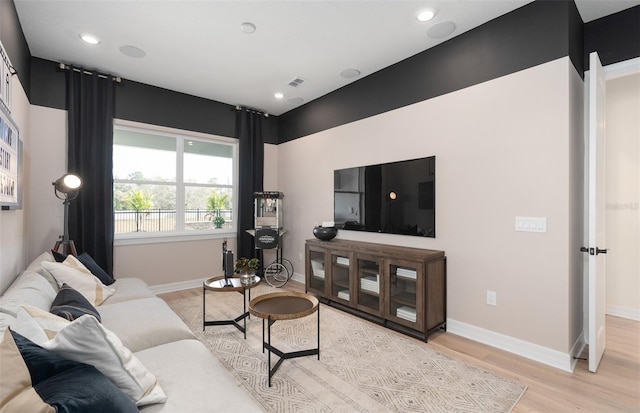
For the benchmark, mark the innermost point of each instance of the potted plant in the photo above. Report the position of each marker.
(218, 221)
(217, 201)
(246, 267)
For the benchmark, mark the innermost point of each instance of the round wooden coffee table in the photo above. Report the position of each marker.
(220, 284)
(286, 305)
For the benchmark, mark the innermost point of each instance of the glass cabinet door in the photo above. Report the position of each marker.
(404, 304)
(369, 285)
(316, 281)
(340, 269)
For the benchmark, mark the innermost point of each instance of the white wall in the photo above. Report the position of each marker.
(13, 223)
(504, 149)
(623, 197)
(49, 162)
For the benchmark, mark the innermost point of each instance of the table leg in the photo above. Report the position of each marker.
(269, 356)
(203, 306)
(282, 355)
(235, 322)
(244, 312)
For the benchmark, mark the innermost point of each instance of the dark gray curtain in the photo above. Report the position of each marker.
(90, 106)
(251, 165)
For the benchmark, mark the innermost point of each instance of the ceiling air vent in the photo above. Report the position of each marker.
(296, 82)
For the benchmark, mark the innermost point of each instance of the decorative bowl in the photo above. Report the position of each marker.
(325, 233)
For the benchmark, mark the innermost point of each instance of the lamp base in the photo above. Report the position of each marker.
(68, 247)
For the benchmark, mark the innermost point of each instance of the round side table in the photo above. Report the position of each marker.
(220, 284)
(286, 305)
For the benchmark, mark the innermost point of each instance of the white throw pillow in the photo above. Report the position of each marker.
(78, 277)
(38, 325)
(87, 341)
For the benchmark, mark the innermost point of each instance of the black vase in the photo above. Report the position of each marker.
(325, 233)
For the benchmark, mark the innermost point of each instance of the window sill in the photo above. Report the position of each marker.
(137, 239)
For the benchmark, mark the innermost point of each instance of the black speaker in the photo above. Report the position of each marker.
(227, 262)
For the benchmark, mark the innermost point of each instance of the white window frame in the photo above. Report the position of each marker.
(180, 234)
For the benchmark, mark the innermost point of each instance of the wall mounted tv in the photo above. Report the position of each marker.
(394, 198)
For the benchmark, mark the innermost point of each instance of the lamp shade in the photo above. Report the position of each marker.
(68, 183)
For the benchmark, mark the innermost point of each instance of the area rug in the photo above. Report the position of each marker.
(363, 367)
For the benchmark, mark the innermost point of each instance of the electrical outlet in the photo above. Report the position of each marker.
(491, 297)
(300, 256)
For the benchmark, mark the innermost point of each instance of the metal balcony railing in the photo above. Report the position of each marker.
(163, 220)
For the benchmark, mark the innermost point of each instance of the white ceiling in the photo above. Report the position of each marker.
(198, 47)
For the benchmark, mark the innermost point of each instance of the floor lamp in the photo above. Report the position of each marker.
(66, 188)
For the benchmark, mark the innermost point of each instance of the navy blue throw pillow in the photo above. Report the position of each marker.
(70, 386)
(95, 269)
(58, 256)
(70, 304)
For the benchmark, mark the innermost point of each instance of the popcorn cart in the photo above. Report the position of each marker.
(268, 231)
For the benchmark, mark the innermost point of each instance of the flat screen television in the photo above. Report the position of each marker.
(395, 197)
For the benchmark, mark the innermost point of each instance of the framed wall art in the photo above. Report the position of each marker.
(10, 162)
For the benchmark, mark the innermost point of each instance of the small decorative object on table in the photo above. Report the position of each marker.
(326, 232)
(246, 268)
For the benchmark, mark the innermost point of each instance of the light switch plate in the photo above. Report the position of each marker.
(531, 224)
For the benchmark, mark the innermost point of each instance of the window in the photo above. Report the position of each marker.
(172, 183)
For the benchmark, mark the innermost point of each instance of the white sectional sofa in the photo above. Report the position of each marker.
(190, 376)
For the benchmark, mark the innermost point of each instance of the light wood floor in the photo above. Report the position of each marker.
(615, 388)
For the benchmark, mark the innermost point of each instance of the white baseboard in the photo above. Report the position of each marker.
(536, 352)
(298, 277)
(624, 312)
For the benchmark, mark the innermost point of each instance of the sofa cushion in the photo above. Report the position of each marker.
(144, 323)
(186, 369)
(86, 341)
(33, 379)
(128, 289)
(70, 304)
(6, 320)
(30, 288)
(75, 274)
(36, 266)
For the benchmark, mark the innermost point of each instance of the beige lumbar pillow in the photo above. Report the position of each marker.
(77, 276)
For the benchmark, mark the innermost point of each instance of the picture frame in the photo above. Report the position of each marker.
(10, 162)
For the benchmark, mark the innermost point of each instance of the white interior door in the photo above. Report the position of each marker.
(596, 231)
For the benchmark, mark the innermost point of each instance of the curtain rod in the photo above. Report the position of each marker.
(265, 114)
(116, 79)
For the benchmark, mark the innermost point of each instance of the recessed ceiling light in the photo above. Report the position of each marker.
(278, 95)
(248, 27)
(89, 38)
(132, 51)
(425, 15)
(349, 73)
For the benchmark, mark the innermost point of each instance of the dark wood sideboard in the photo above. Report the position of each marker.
(399, 287)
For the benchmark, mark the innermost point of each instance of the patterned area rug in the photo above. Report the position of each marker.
(362, 368)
